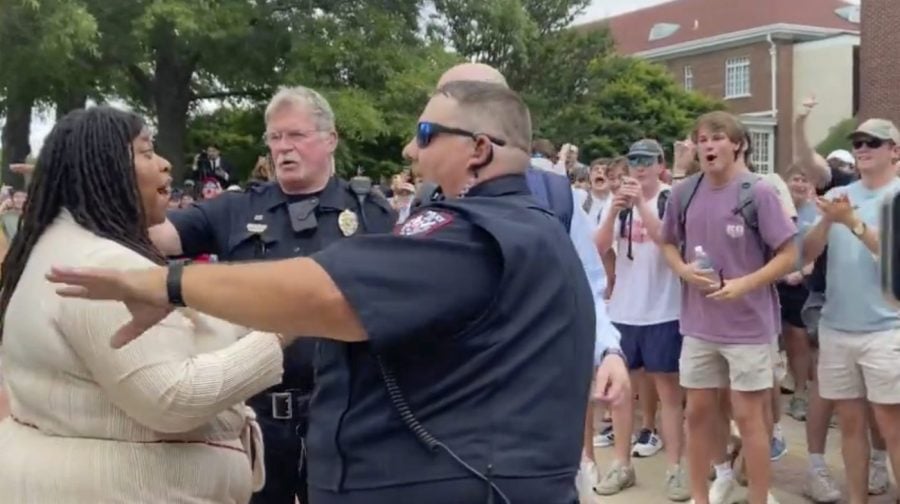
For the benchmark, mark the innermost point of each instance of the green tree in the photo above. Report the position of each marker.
(376, 71)
(626, 99)
(43, 44)
(371, 63)
(838, 137)
(172, 54)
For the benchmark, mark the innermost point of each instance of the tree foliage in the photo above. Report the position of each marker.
(202, 70)
(838, 137)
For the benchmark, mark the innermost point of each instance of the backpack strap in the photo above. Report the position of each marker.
(588, 202)
(554, 193)
(746, 208)
(746, 205)
(661, 201)
(685, 192)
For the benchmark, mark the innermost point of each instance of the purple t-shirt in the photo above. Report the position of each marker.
(735, 249)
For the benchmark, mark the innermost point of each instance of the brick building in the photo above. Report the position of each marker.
(762, 57)
(880, 60)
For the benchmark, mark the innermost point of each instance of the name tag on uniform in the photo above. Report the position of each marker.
(256, 228)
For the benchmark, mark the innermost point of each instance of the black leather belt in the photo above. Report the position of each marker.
(284, 405)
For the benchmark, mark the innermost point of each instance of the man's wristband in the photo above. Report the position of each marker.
(173, 283)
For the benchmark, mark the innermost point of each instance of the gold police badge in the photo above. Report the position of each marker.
(348, 222)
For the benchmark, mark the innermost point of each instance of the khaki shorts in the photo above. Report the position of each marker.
(859, 365)
(744, 368)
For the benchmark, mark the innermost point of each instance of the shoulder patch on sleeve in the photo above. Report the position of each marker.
(424, 223)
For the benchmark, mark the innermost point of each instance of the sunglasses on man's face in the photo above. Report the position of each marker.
(641, 162)
(426, 132)
(872, 143)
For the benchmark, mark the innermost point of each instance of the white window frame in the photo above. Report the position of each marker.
(763, 156)
(737, 77)
(688, 78)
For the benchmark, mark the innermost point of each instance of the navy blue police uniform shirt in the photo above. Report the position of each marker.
(259, 224)
(480, 310)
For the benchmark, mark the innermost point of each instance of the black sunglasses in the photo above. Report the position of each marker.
(641, 161)
(427, 131)
(872, 143)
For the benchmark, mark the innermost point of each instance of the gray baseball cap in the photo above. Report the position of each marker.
(646, 148)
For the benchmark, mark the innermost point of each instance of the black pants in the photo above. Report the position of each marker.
(285, 454)
(550, 490)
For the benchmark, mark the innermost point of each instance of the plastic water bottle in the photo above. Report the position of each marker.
(701, 259)
(703, 263)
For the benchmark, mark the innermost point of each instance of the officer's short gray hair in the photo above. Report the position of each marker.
(304, 97)
(494, 108)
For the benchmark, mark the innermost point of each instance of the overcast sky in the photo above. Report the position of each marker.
(606, 8)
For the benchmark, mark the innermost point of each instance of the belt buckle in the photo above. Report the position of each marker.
(282, 406)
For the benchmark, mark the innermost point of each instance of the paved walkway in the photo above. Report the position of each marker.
(789, 472)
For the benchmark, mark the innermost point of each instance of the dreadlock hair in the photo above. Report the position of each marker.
(86, 166)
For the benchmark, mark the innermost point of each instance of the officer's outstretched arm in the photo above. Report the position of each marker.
(291, 297)
(166, 239)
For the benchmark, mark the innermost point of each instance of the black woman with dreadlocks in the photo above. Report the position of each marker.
(159, 420)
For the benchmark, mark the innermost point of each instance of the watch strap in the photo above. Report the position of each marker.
(613, 351)
(173, 283)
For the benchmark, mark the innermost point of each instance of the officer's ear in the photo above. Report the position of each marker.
(482, 154)
(332, 141)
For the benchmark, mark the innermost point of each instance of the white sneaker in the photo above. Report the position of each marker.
(878, 477)
(771, 499)
(722, 491)
(617, 479)
(820, 487)
(605, 438)
(648, 444)
(585, 482)
(677, 487)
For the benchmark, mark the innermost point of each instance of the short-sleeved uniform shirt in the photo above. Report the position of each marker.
(265, 223)
(483, 344)
(736, 251)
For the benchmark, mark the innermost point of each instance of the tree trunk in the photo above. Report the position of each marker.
(16, 133)
(172, 96)
(71, 100)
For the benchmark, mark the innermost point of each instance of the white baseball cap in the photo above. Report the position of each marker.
(843, 156)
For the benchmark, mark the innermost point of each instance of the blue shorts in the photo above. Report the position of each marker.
(655, 348)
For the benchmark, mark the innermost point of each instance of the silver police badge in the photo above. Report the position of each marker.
(348, 222)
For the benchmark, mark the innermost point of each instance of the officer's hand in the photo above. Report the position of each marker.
(143, 292)
(612, 384)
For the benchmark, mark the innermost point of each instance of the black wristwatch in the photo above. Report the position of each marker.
(173, 283)
(613, 351)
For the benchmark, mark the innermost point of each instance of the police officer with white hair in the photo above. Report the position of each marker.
(304, 210)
